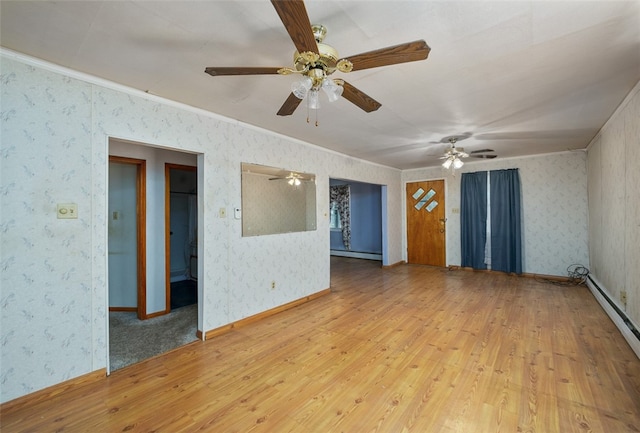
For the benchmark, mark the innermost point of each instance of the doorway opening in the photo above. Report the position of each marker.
(357, 220)
(181, 235)
(147, 326)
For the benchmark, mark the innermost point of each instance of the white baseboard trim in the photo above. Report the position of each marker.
(623, 323)
(356, 255)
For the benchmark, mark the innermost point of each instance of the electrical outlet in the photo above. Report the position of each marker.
(222, 212)
(455, 210)
(623, 298)
(273, 285)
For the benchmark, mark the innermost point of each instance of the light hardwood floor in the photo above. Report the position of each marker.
(403, 349)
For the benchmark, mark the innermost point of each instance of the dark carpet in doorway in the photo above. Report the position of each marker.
(183, 293)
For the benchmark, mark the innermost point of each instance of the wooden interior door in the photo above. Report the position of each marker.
(426, 223)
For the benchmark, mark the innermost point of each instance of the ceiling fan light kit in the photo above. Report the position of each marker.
(454, 161)
(316, 61)
(311, 83)
(453, 156)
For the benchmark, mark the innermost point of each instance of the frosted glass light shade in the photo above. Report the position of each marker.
(300, 88)
(314, 100)
(331, 89)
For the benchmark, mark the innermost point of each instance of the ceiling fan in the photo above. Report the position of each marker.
(453, 156)
(293, 178)
(316, 61)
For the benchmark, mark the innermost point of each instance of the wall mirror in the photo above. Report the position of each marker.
(276, 200)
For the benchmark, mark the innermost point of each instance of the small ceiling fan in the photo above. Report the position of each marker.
(293, 178)
(453, 156)
(316, 61)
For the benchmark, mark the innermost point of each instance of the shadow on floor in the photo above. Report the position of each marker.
(184, 293)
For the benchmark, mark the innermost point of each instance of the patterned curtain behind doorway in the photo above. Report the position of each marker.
(340, 195)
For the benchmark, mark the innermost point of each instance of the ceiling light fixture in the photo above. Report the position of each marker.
(453, 155)
(310, 85)
(454, 161)
(315, 69)
(293, 179)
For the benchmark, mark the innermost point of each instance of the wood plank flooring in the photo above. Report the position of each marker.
(402, 349)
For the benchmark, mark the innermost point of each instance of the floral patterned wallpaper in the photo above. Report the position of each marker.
(614, 206)
(56, 125)
(47, 285)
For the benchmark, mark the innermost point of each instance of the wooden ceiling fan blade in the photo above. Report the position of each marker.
(484, 156)
(359, 98)
(293, 15)
(289, 105)
(408, 52)
(482, 151)
(233, 70)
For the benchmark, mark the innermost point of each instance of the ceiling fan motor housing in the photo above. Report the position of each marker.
(327, 59)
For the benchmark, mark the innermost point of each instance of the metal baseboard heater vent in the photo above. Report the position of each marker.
(633, 330)
(356, 255)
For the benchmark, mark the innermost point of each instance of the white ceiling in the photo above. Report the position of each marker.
(519, 77)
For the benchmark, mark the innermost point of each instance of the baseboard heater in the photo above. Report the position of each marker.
(628, 329)
(356, 255)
